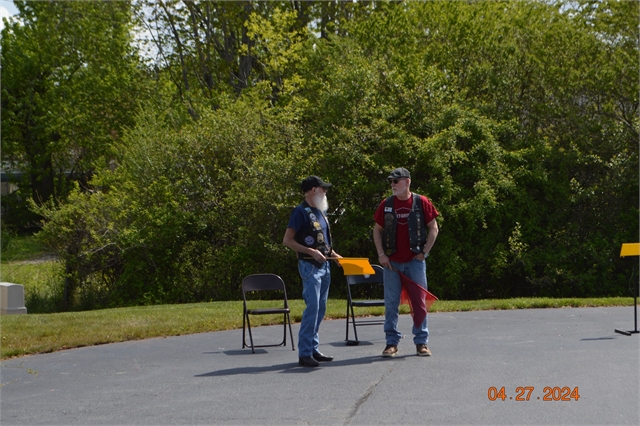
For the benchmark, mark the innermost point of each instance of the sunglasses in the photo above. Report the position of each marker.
(395, 180)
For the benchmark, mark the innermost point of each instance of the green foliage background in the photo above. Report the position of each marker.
(519, 120)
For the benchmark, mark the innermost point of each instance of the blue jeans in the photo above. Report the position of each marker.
(315, 290)
(417, 271)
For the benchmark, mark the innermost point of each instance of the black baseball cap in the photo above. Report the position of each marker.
(400, 172)
(313, 181)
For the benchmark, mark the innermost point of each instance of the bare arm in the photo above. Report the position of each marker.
(431, 236)
(377, 239)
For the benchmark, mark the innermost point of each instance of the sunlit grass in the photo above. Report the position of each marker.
(42, 282)
(26, 262)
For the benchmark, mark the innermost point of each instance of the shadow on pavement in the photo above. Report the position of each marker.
(292, 367)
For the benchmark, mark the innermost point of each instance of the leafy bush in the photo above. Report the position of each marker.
(527, 149)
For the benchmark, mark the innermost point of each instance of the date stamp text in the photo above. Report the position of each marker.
(528, 393)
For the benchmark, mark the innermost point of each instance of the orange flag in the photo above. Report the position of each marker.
(417, 297)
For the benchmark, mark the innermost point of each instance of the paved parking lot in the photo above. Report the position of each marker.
(208, 379)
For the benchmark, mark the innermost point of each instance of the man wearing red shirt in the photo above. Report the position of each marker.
(404, 233)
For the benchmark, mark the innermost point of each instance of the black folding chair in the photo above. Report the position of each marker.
(364, 288)
(272, 284)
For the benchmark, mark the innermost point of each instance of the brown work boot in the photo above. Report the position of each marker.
(423, 350)
(389, 351)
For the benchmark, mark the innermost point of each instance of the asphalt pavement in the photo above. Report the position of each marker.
(517, 367)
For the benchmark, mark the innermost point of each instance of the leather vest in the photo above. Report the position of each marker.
(312, 236)
(417, 228)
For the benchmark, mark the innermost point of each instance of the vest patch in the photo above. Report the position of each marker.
(311, 235)
(388, 219)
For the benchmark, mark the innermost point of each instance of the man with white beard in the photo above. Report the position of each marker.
(309, 236)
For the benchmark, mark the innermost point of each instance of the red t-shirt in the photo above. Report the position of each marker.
(403, 208)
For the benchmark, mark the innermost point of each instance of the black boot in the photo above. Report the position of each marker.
(308, 361)
(320, 357)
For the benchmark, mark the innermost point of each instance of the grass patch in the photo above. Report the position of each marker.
(43, 333)
(42, 282)
(26, 262)
(20, 248)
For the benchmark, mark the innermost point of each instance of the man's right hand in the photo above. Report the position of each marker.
(384, 261)
(318, 256)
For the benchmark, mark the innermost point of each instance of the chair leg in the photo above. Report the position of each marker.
(346, 338)
(353, 321)
(244, 316)
(293, 346)
(284, 329)
(253, 350)
(246, 325)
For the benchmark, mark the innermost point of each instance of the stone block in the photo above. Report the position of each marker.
(12, 299)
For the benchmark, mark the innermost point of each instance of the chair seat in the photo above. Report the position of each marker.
(365, 303)
(268, 311)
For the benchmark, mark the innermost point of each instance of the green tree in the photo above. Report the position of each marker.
(70, 81)
(188, 212)
(518, 119)
(211, 48)
(526, 76)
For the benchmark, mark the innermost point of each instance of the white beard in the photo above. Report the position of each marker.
(320, 202)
